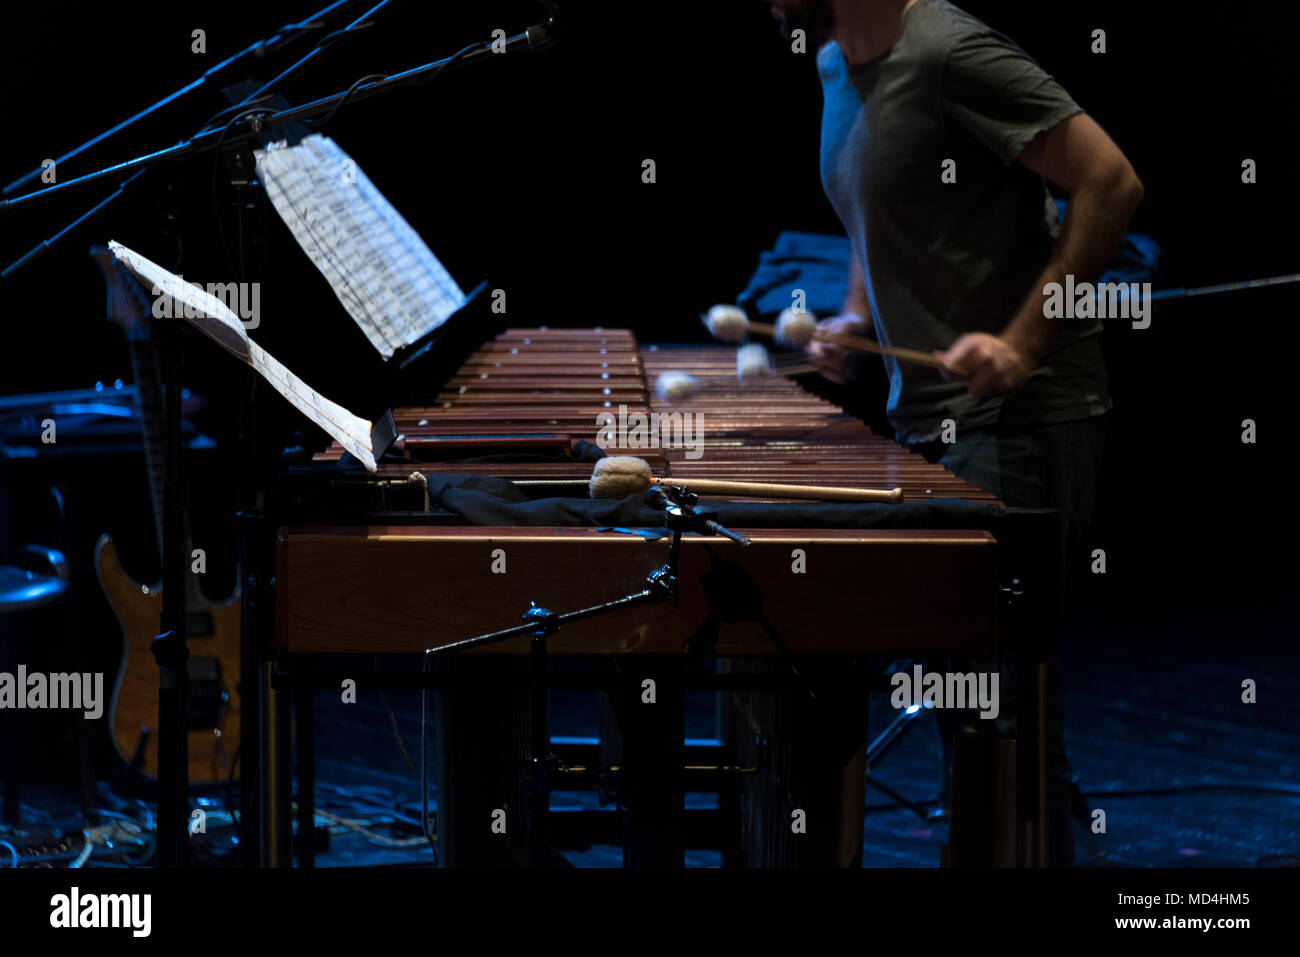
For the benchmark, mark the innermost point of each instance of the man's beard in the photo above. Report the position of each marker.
(815, 17)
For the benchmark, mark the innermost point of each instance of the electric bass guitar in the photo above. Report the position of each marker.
(212, 628)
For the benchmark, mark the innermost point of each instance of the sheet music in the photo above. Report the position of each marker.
(385, 276)
(350, 431)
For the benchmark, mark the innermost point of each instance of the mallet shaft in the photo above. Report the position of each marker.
(777, 490)
(860, 344)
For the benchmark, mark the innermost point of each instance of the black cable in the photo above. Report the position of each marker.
(344, 98)
(244, 106)
(1267, 788)
(1283, 788)
(429, 834)
(216, 165)
(464, 51)
(477, 45)
(892, 806)
(361, 803)
(278, 80)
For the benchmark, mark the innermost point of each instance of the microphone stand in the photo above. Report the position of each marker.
(255, 121)
(283, 37)
(681, 514)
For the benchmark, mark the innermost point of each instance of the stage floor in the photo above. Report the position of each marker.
(1188, 775)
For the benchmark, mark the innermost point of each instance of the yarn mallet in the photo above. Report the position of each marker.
(796, 328)
(676, 386)
(753, 362)
(618, 476)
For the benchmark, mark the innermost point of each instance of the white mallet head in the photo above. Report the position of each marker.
(675, 386)
(752, 362)
(727, 323)
(618, 476)
(795, 328)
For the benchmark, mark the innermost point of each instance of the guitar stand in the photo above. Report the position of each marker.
(169, 647)
(902, 723)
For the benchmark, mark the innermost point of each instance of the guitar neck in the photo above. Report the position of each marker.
(144, 367)
(128, 309)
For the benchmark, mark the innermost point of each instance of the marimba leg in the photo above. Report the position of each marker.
(480, 761)
(804, 804)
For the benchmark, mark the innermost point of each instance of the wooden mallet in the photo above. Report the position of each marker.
(618, 476)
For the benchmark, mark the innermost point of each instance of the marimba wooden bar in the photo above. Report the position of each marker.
(567, 381)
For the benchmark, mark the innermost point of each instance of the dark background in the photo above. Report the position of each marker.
(526, 172)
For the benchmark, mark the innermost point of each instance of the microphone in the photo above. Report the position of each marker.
(543, 34)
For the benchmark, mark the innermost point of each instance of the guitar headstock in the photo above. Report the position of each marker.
(128, 307)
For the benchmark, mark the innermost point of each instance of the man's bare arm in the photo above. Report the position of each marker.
(1080, 158)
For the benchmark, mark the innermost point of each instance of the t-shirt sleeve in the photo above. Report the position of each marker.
(827, 55)
(999, 95)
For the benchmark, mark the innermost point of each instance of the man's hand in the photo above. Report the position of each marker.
(832, 360)
(988, 364)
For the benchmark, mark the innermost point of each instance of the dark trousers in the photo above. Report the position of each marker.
(1050, 466)
(1053, 466)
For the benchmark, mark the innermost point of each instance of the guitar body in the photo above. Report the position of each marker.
(214, 667)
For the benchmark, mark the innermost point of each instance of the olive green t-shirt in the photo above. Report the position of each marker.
(955, 100)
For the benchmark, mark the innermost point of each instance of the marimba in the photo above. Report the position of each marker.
(389, 574)
(539, 385)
